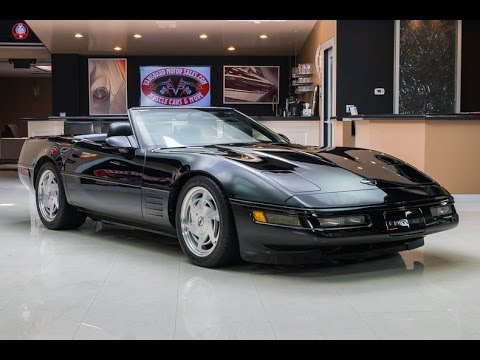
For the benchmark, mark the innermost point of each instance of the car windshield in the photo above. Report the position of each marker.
(181, 127)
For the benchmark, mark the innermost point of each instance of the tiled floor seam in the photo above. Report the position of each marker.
(99, 290)
(30, 281)
(178, 294)
(263, 306)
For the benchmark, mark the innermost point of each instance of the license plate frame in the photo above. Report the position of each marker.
(400, 222)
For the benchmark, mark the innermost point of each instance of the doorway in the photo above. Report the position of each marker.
(328, 82)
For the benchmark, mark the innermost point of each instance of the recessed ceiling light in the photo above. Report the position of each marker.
(231, 48)
(117, 48)
(137, 36)
(263, 36)
(78, 35)
(203, 36)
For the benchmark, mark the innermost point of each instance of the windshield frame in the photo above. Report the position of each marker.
(248, 120)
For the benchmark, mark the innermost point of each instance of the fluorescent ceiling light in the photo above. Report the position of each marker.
(46, 68)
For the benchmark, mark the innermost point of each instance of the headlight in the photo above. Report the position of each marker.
(441, 210)
(277, 219)
(341, 221)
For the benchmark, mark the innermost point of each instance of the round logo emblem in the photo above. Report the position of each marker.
(20, 31)
(175, 86)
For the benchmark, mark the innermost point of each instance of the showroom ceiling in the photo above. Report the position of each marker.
(172, 37)
(40, 54)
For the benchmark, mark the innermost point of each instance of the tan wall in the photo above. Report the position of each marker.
(451, 154)
(321, 32)
(17, 101)
(343, 133)
(445, 150)
(403, 139)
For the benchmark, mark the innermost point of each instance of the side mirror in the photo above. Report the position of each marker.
(119, 142)
(284, 137)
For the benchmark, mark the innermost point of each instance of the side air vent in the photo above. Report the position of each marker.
(154, 205)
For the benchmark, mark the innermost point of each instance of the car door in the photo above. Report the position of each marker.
(104, 180)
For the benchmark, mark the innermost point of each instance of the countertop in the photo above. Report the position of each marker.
(76, 118)
(124, 117)
(285, 118)
(458, 116)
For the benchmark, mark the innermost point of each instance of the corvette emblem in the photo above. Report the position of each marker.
(369, 182)
(402, 223)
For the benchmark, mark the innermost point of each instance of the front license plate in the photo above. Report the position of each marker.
(405, 221)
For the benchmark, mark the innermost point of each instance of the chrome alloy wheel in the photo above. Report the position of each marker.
(200, 221)
(47, 195)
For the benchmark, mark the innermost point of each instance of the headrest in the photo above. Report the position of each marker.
(119, 129)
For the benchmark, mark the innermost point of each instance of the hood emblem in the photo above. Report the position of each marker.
(369, 182)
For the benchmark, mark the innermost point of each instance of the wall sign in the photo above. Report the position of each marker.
(175, 86)
(17, 33)
(20, 31)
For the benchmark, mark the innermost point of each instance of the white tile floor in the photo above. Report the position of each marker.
(111, 283)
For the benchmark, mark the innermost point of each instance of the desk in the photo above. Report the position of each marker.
(446, 147)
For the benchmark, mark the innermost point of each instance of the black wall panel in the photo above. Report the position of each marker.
(365, 50)
(470, 89)
(71, 96)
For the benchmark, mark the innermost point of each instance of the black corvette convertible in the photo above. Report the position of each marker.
(230, 188)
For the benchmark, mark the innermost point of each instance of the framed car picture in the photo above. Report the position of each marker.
(107, 86)
(250, 84)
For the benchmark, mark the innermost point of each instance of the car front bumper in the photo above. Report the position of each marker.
(265, 243)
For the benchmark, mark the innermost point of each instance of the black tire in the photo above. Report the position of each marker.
(226, 250)
(67, 217)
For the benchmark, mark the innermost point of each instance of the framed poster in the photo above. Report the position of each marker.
(250, 84)
(107, 86)
(175, 86)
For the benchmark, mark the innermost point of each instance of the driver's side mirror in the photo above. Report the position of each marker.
(284, 137)
(119, 142)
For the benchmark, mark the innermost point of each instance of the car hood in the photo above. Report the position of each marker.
(310, 168)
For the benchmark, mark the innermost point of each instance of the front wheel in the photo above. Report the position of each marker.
(53, 209)
(205, 224)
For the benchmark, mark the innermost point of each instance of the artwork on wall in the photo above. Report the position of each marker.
(250, 84)
(175, 86)
(427, 57)
(107, 85)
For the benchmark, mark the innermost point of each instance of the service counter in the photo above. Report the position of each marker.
(443, 146)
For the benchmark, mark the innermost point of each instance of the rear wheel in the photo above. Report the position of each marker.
(205, 224)
(53, 209)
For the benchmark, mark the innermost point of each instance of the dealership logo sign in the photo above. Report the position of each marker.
(20, 31)
(175, 86)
